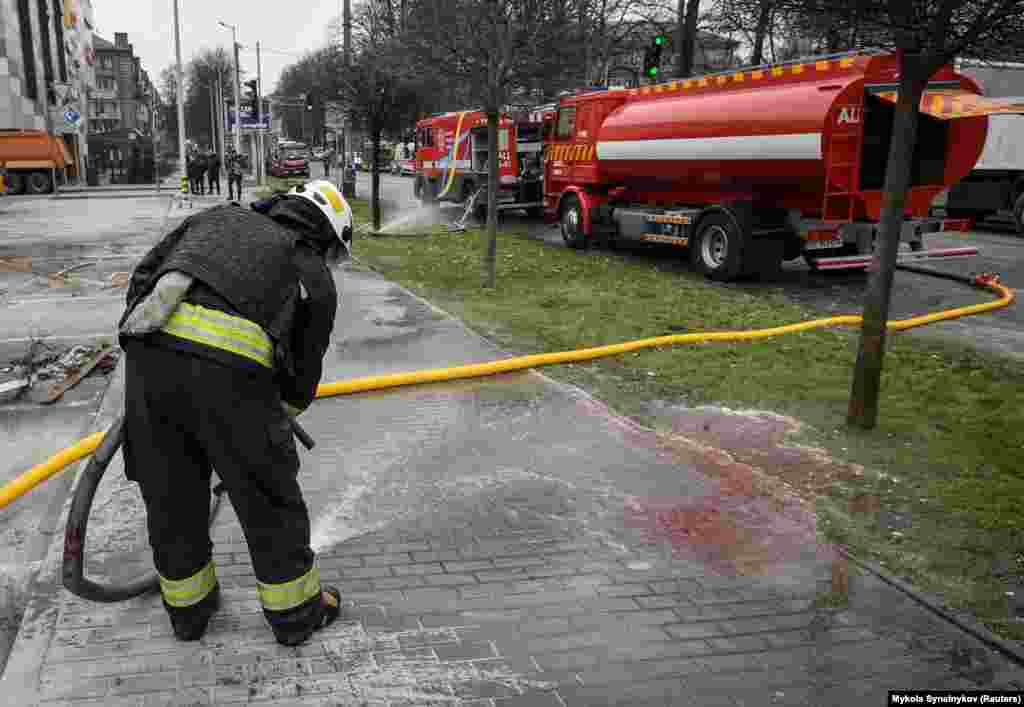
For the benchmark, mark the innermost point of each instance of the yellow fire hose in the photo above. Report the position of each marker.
(84, 447)
(454, 158)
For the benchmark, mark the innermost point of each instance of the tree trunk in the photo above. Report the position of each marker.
(761, 32)
(490, 260)
(863, 409)
(688, 38)
(375, 179)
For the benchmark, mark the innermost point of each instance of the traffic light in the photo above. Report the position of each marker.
(652, 56)
(252, 96)
(309, 102)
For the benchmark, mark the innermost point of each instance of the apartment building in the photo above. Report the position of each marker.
(121, 99)
(46, 69)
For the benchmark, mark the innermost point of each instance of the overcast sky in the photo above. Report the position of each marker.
(285, 31)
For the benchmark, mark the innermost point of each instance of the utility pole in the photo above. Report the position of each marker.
(181, 93)
(213, 114)
(44, 97)
(259, 117)
(238, 88)
(238, 103)
(152, 134)
(347, 18)
(222, 118)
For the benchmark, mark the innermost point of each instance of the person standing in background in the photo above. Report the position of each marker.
(213, 171)
(234, 166)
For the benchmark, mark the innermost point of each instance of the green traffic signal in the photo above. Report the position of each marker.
(653, 71)
(659, 40)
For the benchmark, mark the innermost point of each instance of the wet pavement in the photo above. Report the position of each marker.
(62, 284)
(508, 541)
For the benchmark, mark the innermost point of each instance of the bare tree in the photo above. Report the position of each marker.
(493, 48)
(201, 77)
(926, 35)
(754, 21)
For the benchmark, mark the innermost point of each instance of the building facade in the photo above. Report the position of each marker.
(46, 72)
(123, 96)
(122, 112)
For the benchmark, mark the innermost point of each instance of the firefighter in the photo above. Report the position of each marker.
(228, 318)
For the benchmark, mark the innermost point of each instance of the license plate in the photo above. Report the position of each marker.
(824, 245)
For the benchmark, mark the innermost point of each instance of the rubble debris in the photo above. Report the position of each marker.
(13, 381)
(120, 279)
(66, 369)
(16, 264)
(77, 373)
(71, 269)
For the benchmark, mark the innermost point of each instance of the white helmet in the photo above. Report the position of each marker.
(326, 197)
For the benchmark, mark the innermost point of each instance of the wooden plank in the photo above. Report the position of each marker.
(57, 391)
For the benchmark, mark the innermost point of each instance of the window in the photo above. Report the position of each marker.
(28, 57)
(503, 139)
(44, 38)
(566, 123)
(58, 32)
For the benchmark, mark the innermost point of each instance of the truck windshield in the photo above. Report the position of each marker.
(295, 154)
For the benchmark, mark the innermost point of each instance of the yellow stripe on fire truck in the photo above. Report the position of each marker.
(570, 153)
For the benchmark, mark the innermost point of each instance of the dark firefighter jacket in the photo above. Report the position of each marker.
(264, 267)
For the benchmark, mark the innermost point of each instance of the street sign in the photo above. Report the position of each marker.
(72, 118)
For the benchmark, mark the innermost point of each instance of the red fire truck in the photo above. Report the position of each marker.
(451, 159)
(751, 167)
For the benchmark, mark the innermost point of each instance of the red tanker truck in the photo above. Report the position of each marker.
(753, 167)
(451, 159)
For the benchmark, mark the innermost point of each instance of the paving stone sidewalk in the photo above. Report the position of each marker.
(501, 542)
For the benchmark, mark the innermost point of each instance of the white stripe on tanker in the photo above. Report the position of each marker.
(799, 146)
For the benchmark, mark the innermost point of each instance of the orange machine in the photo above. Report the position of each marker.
(30, 158)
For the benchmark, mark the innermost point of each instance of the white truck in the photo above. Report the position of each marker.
(996, 184)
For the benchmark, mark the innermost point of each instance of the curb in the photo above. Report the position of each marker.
(116, 195)
(934, 604)
(20, 680)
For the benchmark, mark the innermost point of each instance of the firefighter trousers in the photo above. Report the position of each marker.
(185, 416)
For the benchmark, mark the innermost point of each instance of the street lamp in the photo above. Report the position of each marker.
(238, 90)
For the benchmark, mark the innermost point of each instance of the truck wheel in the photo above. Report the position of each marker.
(1018, 214)
(572, 222)
(15, 183)
(39, 183)
(717, 251)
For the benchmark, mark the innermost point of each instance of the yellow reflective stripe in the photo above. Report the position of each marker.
(222, 331)
(288, 595)
(334, 197)
(191, 590)
(247, 336)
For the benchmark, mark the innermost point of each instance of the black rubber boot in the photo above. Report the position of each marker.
(303, 621)
(189, 623)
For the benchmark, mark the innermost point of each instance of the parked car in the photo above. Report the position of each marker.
(403, 167)
(291, 162)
